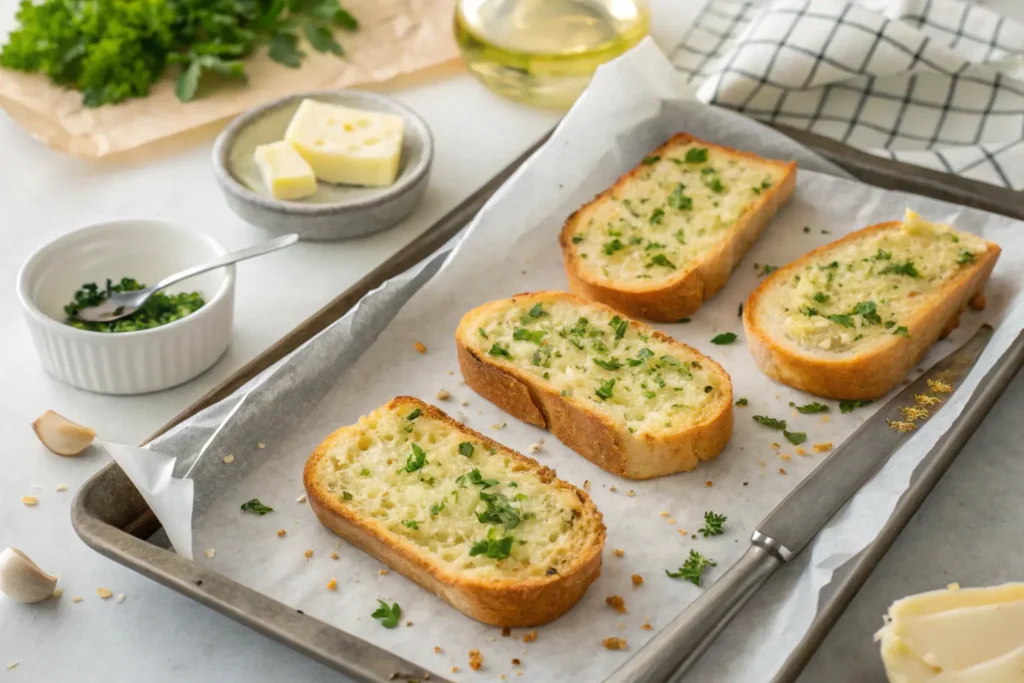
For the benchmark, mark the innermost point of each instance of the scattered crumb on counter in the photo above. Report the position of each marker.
(612, 489)
(61, 488)
(464, 402)
(822, 447)
(281, 533)
(530, 637)
(476, 660)
(334, 556)
(408, 623)
(104, 593)
(953, 586)
(443, 395)
(455, 669)
(825, 418)
(682, 532)
(438, 650)
(261, 445)
(785, 456)
(708, 484)
(210, 552)
(800, 451)
(776, 446)
(646, 626)
(77, 598)
(939, 387)
(616, 603)
(332, 585)
(782, 471)
(901, 426)
(586, 485)
(499, 425)
(451, 372)
(301, 499)
(119, 598)
(663, 513)
(614, 644)
(516, 661)
(57, 592)
(506, 632)
(535, 447)
(228, 459)
(308, 554)
(619, 552)
(631, 493)
(30, 501)
(637, 580)
(671, 521)
(383, 572)
(420, 347)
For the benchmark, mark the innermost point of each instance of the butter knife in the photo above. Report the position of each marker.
(800, 516)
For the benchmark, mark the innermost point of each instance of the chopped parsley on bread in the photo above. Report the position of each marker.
(632, 400)
(490, 531)
(850, 319)
(666, 236)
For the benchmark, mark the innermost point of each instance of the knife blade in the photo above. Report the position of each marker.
(800, 516)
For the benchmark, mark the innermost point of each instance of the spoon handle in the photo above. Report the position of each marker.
(229, 258)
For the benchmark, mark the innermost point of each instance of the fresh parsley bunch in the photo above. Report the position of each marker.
(113, 50)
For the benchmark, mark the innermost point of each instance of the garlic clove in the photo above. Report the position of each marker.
(22, 579)
(61, 435)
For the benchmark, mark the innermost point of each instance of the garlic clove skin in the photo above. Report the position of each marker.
(22, 579)
(61, 435)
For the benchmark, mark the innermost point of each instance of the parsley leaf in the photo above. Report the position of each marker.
(497, 350)
(608, 364)
(620, 326)
(713, 524)
(821, 297)
(651, 160)
(770, 422)
(537, 311)
(477, 479)
(810, 408)
(482, 332)
(693, 568)
(416, 460)
(741, 402)
(411, 523)
(642, 355)
(906, 268)
(844, 320)
(576, 239)
(499, 511)
(661, 260)
(604, 391)
(388, 616)
(321, 38)
(283, 49)
(679, 201)
(492, 547)
(542, 357)
(466, 449)
(848, 406)
(902, 331)
(724, 338)
(413, 415)
(522, 334)
(965, 258)
(613, 246)
(696, 155)
(256, 507)
(712, 181)
(768, 270)
(795, 438)
(680, 236)
(868, 311)
(656, 217)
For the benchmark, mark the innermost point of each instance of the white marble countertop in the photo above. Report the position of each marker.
(157, 635)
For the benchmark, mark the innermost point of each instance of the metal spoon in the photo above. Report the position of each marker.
(122, 304)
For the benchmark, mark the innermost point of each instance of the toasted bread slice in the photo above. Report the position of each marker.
(490, 531)
(851, 318)
(632, 400)
(666, 236)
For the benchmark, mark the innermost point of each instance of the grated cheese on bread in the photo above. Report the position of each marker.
(666, 236)
(488, 530)
(632, 400)
(850, 319)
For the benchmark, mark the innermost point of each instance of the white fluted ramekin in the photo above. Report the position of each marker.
(126, 362)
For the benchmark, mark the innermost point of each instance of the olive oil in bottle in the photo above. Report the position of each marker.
(544, 52)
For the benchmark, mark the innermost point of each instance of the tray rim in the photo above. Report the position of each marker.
(127, 545)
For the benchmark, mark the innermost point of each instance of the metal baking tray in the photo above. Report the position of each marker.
(110, 515)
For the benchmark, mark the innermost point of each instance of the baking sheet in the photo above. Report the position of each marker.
(634, 104)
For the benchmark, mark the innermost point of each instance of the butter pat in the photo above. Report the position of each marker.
(347, 146)
(285, 173)
(974, 635)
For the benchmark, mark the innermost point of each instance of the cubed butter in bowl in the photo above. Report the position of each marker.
(969, 635)
(370, 157)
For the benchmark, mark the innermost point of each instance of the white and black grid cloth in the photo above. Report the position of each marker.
(939, 83)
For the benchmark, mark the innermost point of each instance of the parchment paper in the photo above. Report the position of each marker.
(273, 425)
(395, 37)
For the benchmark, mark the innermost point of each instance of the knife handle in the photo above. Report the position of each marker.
(680, 643)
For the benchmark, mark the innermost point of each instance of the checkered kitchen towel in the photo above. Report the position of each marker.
(938, 83)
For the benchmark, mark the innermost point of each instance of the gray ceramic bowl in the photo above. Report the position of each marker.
(336, 211)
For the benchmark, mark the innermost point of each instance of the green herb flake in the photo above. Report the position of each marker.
(410, 523)
(497, 350)
(523, 334)
(651, 160)
(493, 547)
(416, 460)
(482, 332)
(810, 408)
(365, 472)
(679, 201)
(345, 495)
(474, 477)
(713, 524)
(795, 438)
(413, 415)
(620, 326)
(768, 270)
(576, 239)
(724, 338)
(661, 260)
(742, 401)
(868, 311)
(965, 258)
(696, 155)
(256, 507)
(656, 217)
(906, 268)
(388, 616)
(770, 422)
(693, 568)
(607, 364)
(902, 331)
(849, 406)
(604, 390)
(820, 297)
(844, 320)
(466, 449)
(680, 236)
(613, 246)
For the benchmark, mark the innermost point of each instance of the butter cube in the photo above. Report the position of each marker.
(285, 173)
(975, 635)
(347, 146)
